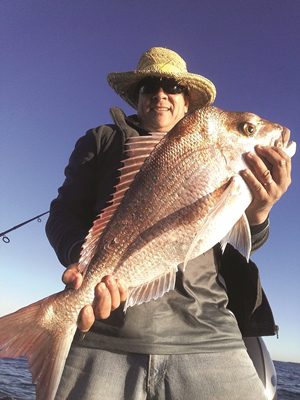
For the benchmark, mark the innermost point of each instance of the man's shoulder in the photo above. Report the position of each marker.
(102, 131)
(121, 128)
(101, 136)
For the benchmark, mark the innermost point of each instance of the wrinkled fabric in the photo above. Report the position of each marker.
(193, 318)
(92, 374)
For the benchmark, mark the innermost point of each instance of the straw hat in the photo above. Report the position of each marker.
(159, 61)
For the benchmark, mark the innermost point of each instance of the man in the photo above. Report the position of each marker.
(185, 345)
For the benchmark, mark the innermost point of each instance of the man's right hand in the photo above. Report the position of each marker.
(109, 294)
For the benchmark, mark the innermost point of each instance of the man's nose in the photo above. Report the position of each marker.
(159, 94)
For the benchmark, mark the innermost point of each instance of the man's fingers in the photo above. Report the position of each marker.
(113, 289)
(102, 301)
(259, 167)
(282, 166)
(256, 187)
(109, 294)
(86, 318)
(274, 155)
(72, 277)
(122, 290)
(268, 177)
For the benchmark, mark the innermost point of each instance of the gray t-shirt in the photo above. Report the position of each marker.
(193, 318)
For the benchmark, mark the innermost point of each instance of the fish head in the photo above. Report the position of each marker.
(246, 130)
(240, 131)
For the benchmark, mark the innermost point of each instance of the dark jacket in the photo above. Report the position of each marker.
(91, 175)
(247, 300)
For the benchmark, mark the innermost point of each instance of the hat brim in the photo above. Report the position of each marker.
(201, 90)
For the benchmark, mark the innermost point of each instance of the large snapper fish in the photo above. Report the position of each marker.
(179, 194)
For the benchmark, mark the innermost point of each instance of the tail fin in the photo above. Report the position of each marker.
(35, 332)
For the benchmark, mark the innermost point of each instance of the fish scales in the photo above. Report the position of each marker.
(143, 206)
(183, 199)
(165, 171)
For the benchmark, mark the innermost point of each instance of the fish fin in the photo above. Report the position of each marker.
(239, 237)
(137, 149)
(151, 290)
(24, 333)
(222, 217)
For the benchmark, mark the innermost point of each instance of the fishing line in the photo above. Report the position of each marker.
(6, 238)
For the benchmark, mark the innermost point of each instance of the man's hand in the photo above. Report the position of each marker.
(109, 294)
(268, 177)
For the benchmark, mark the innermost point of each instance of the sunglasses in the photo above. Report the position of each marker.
(151, 85)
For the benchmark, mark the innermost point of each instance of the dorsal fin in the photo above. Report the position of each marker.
(137, 149)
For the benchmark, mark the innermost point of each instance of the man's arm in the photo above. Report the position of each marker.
(71, 213)
(259, 234)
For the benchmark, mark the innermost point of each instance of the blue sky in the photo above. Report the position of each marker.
(55, 56)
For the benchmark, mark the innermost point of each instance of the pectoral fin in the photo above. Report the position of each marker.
(239, 237)
(152, 290)
(225, 216)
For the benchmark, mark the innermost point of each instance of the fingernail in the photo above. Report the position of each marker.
(77, 284)
(120, 282)
(249, 154)
(102, 287)
(245, 172)
(111, 281)
(259, 147)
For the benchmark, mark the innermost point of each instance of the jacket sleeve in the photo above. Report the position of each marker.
(71, 213)
(259, 234)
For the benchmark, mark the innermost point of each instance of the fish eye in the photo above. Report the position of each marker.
(248, 129)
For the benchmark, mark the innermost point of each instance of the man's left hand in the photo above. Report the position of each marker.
(268, 178)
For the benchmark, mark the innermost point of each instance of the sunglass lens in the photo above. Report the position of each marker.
(172, 88)
(152, 85)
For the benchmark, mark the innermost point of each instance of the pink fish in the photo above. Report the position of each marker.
(179, 194)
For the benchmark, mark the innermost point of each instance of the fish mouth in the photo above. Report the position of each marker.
(284, 142)
(284, 139)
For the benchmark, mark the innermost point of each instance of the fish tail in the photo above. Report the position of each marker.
(35, 333)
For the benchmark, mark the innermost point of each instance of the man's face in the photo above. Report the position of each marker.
(161, 104)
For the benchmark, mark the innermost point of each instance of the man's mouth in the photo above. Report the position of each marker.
(159, 109)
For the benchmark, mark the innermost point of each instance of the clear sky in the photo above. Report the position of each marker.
(55, 56)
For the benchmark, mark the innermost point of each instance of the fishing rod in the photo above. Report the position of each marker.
(6, 238)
